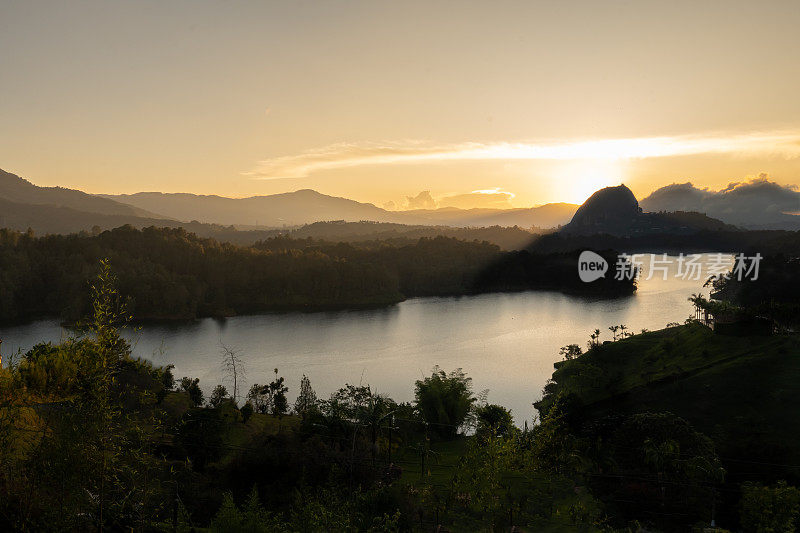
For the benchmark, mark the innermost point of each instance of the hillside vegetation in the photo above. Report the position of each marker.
(742, 392)
(172, 274)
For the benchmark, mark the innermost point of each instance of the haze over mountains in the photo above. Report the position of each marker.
(307, 206)
(758, 204)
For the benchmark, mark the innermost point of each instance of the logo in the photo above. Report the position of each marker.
(591, 266)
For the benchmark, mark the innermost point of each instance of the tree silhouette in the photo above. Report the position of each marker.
(232, 367)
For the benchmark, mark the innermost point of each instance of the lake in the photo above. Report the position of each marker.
(506, 342)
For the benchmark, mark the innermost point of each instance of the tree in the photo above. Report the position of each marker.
(570, 351)
(167, 378)
(554, 446)
(594, 339)
(200, 433)
(100, 367)
(699, 304)
(306, 399)
(769, 509)
(258, 397)
(250, 518)
(444, 400)
(232, 367)
(277, 394)
(679, 463)
(192, 388)
(218, 396)
(247, 412)
(494, 420)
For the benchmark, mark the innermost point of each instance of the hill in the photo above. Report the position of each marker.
(714, 381)
(20, 191)
(277, 210)
(381, 233)
(59, 219)
(615, 211)
(739, 391)
(169, 273)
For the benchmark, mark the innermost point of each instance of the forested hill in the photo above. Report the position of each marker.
(762, 241)
(169, 273)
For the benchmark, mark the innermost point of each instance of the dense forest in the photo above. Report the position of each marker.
(169, 273)
(762, 241)
(365, 232)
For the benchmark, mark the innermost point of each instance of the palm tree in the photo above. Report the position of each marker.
(699, 304)
(593, 339)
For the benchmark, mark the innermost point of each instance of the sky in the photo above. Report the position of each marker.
(484, 103)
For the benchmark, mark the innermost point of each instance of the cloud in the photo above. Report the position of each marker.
(423, 200)
(485, 198)
(496, 190)
(345, 155)
(757, 201)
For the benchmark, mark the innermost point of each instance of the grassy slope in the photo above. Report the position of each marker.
(744, 392)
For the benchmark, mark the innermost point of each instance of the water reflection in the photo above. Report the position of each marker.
(506, 342)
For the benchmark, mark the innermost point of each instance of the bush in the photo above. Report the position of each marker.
(247, 411)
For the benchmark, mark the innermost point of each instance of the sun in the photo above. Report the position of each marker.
(574, 181)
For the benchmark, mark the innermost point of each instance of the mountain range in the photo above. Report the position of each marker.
(758, 204)
(307, 206)
(61, 210)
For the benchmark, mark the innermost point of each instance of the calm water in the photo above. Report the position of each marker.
(506, 342)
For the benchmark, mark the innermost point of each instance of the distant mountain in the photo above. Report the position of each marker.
(20, 191)
(60, 210)
(615, 211)
(43, 218)
(287, 209)
(307, 206)
(757, 204)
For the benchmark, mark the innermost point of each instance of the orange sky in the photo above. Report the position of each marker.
(529, 102)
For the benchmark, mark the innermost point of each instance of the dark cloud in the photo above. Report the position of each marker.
(758, 202)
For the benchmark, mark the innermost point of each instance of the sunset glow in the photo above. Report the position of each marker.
(362, 100)
(401, 266)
